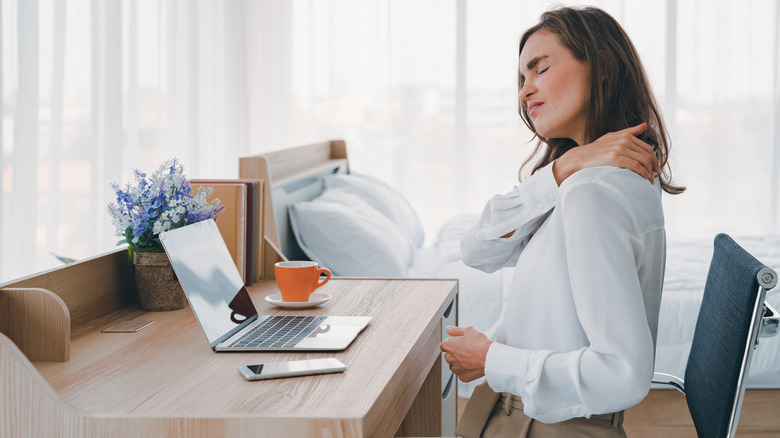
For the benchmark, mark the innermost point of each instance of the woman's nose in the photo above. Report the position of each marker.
(526, 91)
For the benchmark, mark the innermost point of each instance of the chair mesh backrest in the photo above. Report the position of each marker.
(720, 338)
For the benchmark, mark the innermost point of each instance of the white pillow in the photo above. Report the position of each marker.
(343, 233)
(384, 198)
(451, 234)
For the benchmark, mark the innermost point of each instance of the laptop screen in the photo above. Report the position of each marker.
(209, 278)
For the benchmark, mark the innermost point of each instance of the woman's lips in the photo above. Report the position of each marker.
(533, 107)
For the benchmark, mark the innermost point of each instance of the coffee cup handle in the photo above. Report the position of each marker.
(320, 283)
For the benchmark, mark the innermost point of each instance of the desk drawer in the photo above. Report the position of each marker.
(450, 317)
(449, 381)
(449, 405)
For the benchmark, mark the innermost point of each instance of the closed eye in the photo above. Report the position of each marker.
(540, 71)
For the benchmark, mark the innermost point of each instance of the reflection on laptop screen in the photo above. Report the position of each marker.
(209, 277)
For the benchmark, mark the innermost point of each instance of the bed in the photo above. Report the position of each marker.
(356, 225)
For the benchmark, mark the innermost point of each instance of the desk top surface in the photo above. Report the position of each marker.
(169, 369)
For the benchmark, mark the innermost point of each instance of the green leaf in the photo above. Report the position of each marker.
(65, 260)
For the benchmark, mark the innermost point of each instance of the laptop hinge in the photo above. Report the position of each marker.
(232, 332)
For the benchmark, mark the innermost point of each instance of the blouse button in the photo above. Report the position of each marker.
(540, 206)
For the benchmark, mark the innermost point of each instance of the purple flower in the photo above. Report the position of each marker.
(163, 201)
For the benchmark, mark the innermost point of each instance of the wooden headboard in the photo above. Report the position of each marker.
(291, 175)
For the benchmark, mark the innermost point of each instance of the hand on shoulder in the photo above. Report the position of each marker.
(618, 149)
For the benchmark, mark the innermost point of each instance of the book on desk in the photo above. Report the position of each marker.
(241, 222)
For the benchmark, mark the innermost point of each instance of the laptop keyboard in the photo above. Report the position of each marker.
(279, 331)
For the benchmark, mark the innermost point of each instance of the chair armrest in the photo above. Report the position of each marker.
(770, 322)
(669, 380)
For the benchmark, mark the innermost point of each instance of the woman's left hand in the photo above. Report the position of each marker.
(466, 351)
(619, 149)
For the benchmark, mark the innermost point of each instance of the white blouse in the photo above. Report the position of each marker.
(577, 336)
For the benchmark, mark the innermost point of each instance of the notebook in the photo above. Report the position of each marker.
(224, 310)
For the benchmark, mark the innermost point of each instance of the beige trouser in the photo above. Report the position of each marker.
(508, 420)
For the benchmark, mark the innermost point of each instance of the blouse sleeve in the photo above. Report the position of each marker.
(522, 210)
(603, 247)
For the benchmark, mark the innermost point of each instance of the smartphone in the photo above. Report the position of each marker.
(277, 370)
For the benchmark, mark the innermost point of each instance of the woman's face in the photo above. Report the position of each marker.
(554, 84)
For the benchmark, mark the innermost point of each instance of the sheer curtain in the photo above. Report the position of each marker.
(94, 89)
(423, 92)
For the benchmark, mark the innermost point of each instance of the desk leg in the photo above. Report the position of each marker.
(424, 416)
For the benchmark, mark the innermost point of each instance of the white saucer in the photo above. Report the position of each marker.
(315, 300)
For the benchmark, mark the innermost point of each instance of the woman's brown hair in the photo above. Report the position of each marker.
(620, 92)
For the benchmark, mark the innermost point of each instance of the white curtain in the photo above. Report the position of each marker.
(424, 93)
(91, 90)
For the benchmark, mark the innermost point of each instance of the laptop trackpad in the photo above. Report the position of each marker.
(330, 336)
(334, 331)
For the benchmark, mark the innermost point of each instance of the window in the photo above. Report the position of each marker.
(424, 93)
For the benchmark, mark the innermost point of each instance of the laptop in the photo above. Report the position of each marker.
(224, 310)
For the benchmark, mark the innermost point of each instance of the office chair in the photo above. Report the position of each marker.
(732, 318)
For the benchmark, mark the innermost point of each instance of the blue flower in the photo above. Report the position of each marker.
(161, 202)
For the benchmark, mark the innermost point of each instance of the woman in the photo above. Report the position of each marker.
(586, 234)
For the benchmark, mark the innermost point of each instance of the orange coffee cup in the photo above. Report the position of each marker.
(298, 279)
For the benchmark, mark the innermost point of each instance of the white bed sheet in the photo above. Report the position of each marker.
(481, 296)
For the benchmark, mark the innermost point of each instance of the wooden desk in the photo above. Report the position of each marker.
(166, 380)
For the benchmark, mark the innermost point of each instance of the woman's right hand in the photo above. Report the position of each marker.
(619, 149)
